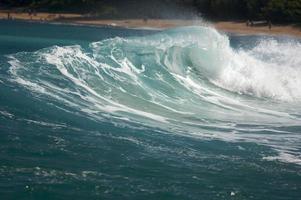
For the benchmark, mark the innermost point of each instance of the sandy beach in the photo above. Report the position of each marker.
(227, 26)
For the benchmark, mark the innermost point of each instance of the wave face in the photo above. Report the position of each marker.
(188, 81)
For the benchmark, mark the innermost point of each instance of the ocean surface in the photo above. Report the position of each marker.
(112, 113)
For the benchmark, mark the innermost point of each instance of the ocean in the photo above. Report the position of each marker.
(114, 113)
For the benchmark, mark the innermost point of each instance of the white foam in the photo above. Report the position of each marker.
(6, 114)
(286, 157)
(270, 70)
(54, 58)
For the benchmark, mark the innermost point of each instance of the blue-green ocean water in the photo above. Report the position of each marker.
(108, 113)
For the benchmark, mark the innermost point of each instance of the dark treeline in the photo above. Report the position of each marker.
(275, 10)
(54, 5)
(111, 8)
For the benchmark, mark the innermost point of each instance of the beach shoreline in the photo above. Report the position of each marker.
(235, 27)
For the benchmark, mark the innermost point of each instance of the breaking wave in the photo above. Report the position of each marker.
(186, 80)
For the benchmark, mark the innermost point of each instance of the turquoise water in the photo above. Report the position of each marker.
(108, 113)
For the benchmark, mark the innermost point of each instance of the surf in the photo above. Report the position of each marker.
(188, 80)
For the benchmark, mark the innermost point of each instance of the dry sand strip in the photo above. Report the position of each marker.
(227, 26)
(241, 28)
(43, 16)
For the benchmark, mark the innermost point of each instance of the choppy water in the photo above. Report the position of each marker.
(188, 113)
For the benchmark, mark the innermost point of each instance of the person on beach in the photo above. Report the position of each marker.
(270, 24)
(30, 13)
(145, 19)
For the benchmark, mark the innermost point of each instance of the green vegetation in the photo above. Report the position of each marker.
(56, 5)
(275, 10)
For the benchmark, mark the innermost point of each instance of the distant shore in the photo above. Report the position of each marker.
(227, 26)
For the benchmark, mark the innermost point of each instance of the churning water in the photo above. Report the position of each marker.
(177, 114)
